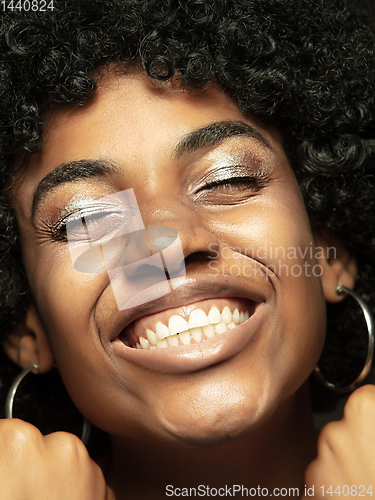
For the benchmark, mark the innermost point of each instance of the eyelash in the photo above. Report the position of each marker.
(59, 231)
(254, 182)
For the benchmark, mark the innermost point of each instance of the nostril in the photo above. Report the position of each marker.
(198, 256)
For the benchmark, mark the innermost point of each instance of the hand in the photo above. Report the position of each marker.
(52, 467)
(346, 450)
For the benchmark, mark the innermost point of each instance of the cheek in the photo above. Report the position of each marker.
(272, 238)
(300, 331)
(65, 295)
(67, 301)
(65, 298)
(274, 232)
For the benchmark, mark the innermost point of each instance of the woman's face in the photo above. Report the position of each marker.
(201, 170)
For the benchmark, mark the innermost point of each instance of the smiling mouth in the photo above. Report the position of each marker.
(187, 325)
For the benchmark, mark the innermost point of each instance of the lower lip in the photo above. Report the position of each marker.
(194, 357)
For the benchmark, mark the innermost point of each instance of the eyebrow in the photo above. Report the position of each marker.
(214, 134)
(71, 172)
(204, 137)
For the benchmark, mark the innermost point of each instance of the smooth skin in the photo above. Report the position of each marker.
(220, 423)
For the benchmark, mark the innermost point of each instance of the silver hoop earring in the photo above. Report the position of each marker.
(12, 392)
(370, 349)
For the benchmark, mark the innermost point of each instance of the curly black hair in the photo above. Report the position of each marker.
(307, 67)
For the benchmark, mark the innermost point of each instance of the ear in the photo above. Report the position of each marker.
(27, 343)
(338, 265)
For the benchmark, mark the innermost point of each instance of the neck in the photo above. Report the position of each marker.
(274, 456)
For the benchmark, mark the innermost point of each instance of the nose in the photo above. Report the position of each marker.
(180, 232)
(166, 241)
(177, 242)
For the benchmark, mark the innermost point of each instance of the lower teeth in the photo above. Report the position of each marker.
(192, 336)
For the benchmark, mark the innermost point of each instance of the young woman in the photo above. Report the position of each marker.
(185, 187)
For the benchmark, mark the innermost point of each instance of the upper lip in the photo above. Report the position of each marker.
(191, 289)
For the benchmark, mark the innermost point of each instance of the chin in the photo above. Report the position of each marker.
(209, 432)
(206, 422)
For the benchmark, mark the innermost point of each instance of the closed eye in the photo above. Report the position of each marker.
(235, 182)
(92, 226)
(230, 185)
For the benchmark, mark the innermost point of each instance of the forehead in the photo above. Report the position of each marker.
(137, 110)
(133, 121)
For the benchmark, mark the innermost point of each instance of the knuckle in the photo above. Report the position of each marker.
(329, 437)
(19, 440)
(68, 445)
(15, 430)
(361, 402)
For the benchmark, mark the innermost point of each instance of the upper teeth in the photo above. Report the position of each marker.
(199, 327)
